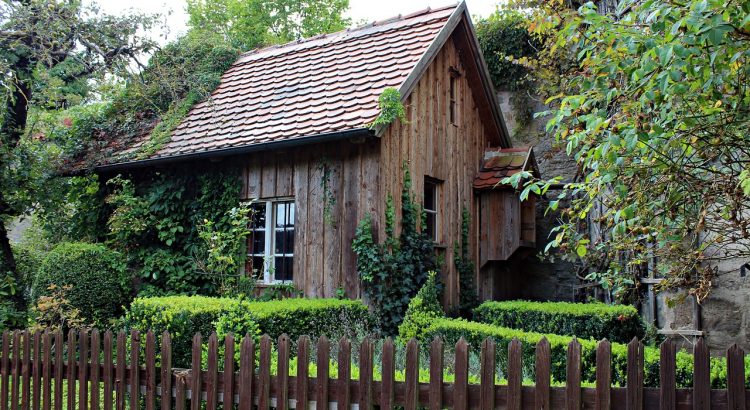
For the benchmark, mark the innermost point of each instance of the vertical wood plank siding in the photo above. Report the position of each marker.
(362, 174)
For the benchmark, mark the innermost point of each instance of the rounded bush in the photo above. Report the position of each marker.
(96, 276)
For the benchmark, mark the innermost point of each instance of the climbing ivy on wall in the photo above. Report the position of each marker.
(391, 108)
(467, 297)
(393, 271)
(156, 220)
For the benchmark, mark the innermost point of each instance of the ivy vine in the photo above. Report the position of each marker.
(391, 108)
(329, 199)
(467, 296)
(393, 272)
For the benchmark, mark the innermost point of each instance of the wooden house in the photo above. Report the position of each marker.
(296, 117)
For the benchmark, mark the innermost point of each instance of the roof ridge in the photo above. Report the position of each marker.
(379, 23)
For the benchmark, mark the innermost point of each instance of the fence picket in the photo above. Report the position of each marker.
(411, 398)
(247, 368)
(573, 376)
(47, 371)
(365, 375)
(388, 366)
(36, 374)
(83, 369)
(264, 378)
(150, 371)
(179, 396)
(71, 369)
(323, 355)
(603, 375)
(59, 361)
(107, 371)
(436, 374)
(701, 376)
(735, 378)
(303, 361)
(282, 373)
(345, 371)
(461, 385)
(26, 371)
(94, 369)
(228, 371)
(667, 375)
(634, 400)
(195, 381)
(487, 375)
(120, 376)
(212, 372)
(166, 371)
(135, 377)
(542, 373)
(5, 368)
(514, 375)
(16, 371)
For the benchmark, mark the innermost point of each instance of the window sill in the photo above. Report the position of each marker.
(263, 285)
(440, 245)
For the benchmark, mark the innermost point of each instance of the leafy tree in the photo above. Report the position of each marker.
(655, 111)
(250, 24)
(50, 50)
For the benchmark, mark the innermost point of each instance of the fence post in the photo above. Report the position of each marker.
(345, 369)
(264, 374)
(195, 374)
(16, 371)
(107, 374)
(5, 368)
(322, 358)
(120, 372)
(735, 378)
(436, 374)
(95, 346)
(59, 361)
(166, 371)
(667, 375)
(179, 397)
(212, 372)
(365, 375)
(701, 376)
(386, 395)
(36, 396)
(487, 375)
(228, 374)
(411, 399)
(71, 369)
(83, 367)
(303, 361)
(47, 371)
(514, 375)
(282, 373)
(542, 372)
(634, 399)
(603, 375)
(135, 379)
(573, 376)
(247, 371)
(26, 371)
(461, 384)
(150, 370)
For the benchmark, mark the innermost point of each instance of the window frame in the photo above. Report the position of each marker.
(269, 255)
(436, 184)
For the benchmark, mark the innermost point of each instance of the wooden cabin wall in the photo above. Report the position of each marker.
(323, 260)
(432, 146)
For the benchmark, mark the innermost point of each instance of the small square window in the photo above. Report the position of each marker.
(270, 245)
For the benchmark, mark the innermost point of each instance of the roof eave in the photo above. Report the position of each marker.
(233, 151)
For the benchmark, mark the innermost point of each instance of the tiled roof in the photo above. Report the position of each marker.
(311, 87)
(501, 163)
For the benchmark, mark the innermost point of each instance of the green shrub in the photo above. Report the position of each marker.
(96, 275)
(183, 316)
(423, 308)
(451, 330)
(616, 323)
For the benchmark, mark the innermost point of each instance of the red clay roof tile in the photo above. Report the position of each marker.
(502, 163)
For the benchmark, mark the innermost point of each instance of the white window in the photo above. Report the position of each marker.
(270, 255)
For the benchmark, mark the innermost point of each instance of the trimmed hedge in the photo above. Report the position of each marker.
(616, 323)
(183, 316)
(99, 285)
(451, 330)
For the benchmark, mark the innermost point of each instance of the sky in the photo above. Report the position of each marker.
(359, 10)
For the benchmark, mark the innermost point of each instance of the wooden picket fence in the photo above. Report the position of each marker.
(39, 372)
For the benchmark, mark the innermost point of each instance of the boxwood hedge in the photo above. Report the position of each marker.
(451, 330)
(616, 323)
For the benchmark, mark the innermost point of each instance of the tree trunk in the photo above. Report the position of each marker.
(9, 263)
